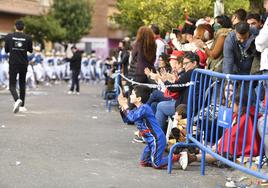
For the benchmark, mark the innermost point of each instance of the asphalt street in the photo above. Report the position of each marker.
(70, 141)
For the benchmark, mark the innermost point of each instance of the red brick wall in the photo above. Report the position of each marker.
(7, 22)
(100, 26)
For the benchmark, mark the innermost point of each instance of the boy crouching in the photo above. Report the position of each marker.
(148, 126)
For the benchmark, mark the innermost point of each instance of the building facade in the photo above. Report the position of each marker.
(10, 10)
(103, 36)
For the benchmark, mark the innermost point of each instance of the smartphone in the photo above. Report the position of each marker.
(176, 31)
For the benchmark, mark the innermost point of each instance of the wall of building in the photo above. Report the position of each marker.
(10, 10)
(23, 7)
(7, 22)
(104, 34)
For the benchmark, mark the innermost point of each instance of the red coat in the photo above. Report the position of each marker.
(257, 140)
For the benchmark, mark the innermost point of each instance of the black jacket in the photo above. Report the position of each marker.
(17, 44)
(183, 91)
(75, 60)
(138, 64)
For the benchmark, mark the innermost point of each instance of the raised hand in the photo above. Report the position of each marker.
(147, 71)
(122, 100)
(198, 43)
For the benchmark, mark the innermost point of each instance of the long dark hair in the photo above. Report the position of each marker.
(224, 20)
(145, 38)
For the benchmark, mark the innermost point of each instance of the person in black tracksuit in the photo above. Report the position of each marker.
(75, 66)
(17, 44)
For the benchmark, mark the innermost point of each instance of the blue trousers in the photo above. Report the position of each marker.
(156, 97)
(164, 109)
(153, 152)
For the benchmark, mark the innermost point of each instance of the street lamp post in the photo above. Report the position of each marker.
(218, 8)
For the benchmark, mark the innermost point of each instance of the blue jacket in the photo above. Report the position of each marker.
(237, 57)
(146, 122)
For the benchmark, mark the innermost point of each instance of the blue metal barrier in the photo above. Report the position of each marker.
(111, 97)
(224, 110)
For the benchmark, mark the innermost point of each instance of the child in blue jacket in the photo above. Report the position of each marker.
(148, 126)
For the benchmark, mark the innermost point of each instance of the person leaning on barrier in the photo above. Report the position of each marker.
(17, 44)
(239, 50)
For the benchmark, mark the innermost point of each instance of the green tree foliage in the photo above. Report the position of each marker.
(130, 17)
(67, 22)
(74, 16)
(231, 5)
(256, 6)
(167, 14)
(44, 28)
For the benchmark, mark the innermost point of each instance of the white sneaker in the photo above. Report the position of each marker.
(137, 133)
(70, 92)
(22, 109)
(183, 161)
(77, 93)
(17, 105)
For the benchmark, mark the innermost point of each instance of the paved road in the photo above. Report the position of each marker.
(68, 141)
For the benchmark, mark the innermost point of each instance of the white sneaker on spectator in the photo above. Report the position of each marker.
(17, 105)
(23, 109)
(77, 93)
(183, 161)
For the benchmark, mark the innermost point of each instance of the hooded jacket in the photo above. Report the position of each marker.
(238, 57)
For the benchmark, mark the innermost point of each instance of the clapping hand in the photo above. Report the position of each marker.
(150, 74)
(174, 77)
(163, 75)
(172, 36)
(199, 43)
(147, 71)
(122, 100)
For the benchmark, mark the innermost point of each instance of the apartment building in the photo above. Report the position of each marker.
(10, 10)
(103, 36)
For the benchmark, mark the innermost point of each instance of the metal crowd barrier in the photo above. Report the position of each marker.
(230, 119)
(111, 97)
